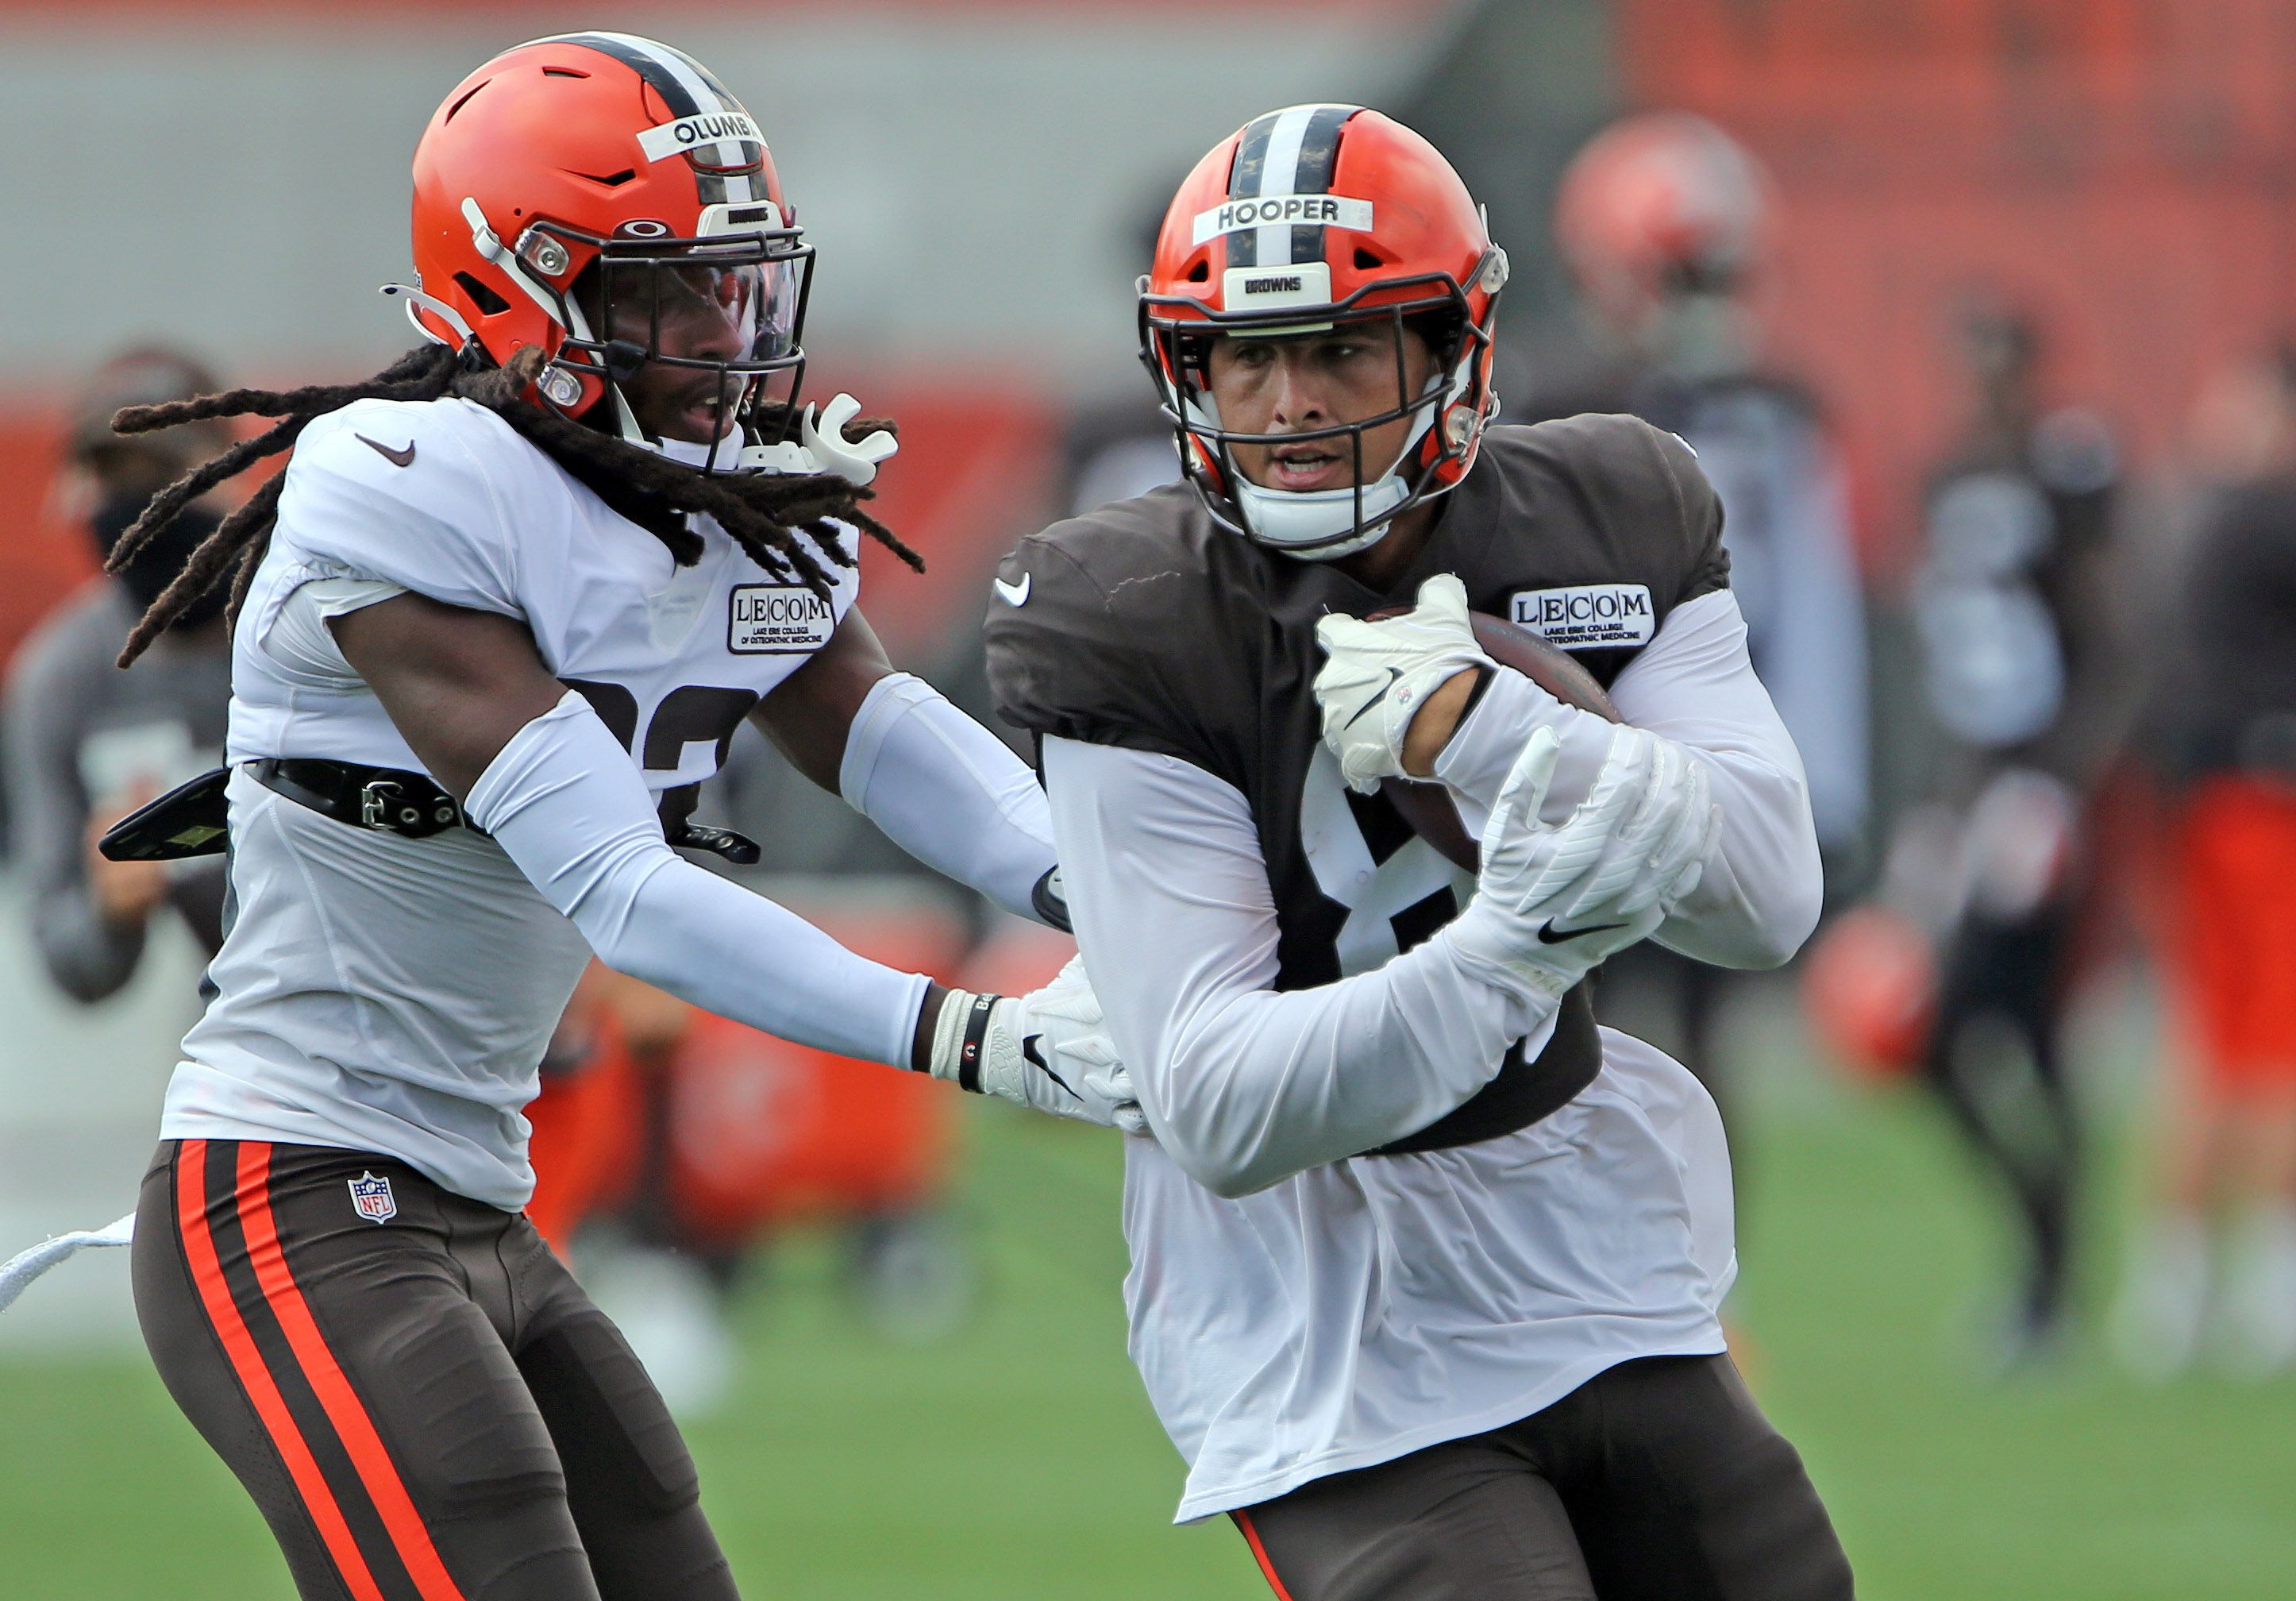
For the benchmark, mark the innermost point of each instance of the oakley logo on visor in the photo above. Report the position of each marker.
(1278, 211)
(691, 133)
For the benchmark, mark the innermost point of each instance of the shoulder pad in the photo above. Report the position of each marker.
(412, 492)
(1089, 622)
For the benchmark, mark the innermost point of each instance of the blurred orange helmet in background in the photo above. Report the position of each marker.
(605, 151)
(1869, 989)
(1303, 218)
(1659, 204)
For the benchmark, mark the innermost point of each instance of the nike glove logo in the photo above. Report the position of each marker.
(1015, 595)
(1548, 934)
(1393, 673)
(396, 459)
(1028, 1049)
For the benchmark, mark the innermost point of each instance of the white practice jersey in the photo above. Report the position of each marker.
(392, 995)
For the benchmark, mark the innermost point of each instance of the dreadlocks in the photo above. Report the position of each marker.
(765, 512)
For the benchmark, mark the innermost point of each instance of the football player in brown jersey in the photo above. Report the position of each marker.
(1425, 1265)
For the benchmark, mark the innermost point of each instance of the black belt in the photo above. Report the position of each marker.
(384, 799)
(1525, 1090)
(413, 805)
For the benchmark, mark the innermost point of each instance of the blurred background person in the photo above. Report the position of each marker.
(2212, 1269)
(1663, 220)
(2013, 617)
(87, 743)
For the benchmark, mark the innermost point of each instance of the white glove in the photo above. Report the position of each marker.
(1551, 904)
(1656, 850)
(1379, 674)
(1048, 1050)
(856, 462)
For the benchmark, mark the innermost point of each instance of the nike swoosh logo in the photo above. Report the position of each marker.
(396, 459)
(1028, 1049)
(1015, 595)
(1548, 934)
(1393, 673)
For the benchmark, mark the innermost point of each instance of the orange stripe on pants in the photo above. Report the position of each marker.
(1259, 1553)
(344, 1409)
(255, 1378)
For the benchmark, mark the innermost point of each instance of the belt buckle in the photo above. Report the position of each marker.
(376, 799)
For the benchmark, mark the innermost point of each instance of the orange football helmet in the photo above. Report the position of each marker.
(1301, 219)
(1659, 204)
(586, 192)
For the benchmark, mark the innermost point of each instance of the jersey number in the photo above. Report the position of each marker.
(1397, 888)
(696, 714)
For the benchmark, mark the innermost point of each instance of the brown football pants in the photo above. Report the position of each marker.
(418, 1395)
(1658, 1480)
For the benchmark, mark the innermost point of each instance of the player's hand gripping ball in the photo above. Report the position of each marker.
(1378, 673)
(1443, 635)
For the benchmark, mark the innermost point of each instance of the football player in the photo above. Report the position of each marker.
(2024, 678)
(1664, 221)
(496, 620)
(86, 744)
(1425, 1265)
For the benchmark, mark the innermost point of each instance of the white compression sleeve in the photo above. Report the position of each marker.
(564, 800)
(947, 792)
(1245, 1085)
(1758, 899)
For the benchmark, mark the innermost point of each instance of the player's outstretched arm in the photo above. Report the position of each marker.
(940, 787)
(537, 770)
(535, 766)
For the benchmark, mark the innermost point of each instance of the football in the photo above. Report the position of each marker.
(1428, 808)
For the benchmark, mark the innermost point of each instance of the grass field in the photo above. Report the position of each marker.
(1020, 1459)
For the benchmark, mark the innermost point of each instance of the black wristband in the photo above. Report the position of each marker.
(968, 1054)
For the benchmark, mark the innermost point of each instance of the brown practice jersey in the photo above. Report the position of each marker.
(1144, 625)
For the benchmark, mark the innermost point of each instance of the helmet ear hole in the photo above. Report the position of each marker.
(1201, 272)
(1367, 262)
(485, 299)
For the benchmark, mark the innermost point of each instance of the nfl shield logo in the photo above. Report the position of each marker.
(372, 1197)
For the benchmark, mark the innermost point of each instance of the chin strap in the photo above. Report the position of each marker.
(823, 448)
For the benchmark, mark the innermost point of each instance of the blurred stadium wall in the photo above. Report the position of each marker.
(2126, 169)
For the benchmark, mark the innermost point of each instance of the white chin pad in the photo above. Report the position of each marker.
(1288, 519)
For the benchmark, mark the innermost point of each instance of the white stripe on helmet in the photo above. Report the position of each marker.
(1278, 174)
(729, 154)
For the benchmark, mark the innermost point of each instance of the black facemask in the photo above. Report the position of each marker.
(155, 567)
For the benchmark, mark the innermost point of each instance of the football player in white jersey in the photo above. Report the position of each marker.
(495, 621)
